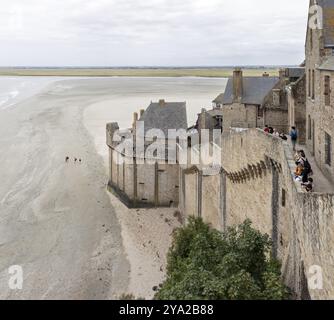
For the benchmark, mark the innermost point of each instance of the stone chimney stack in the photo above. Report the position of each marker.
(282, 74)
(162, 102)
(135, 119)
(237, 85)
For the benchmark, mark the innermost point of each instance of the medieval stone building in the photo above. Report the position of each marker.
(319, 85)
(253, 102)
(139, 177)
(255, 179)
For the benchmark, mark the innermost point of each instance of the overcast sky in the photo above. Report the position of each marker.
(152, 32)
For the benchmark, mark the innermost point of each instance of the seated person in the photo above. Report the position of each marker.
(283, 137)
(299, 171)
(308, 185)
(276, 133)
(299, 155)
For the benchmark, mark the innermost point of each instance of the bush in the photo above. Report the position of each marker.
(205, 264)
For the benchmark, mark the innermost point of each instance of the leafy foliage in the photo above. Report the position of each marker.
(205, 264)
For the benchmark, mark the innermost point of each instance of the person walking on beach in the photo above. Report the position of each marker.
(67, 159)
(294, 137)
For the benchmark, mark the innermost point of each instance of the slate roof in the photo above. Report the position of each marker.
(255, 89)
(219, 99)
(295, 72)
(328, 64)
(165, 116)
(328, 20)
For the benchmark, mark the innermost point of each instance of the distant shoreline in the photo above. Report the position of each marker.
(219, 72)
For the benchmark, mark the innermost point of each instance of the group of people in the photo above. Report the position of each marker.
(275, 133)
(76, 160)
(303, 171)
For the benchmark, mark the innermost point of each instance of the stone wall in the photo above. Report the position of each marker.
(256, 182)
(141, 185)
(211, 201)
(318, 116)
(239, 115)
(324, 124)
(276, 118)
(276, 108)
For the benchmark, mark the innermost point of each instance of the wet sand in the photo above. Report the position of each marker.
(72, 238)
(56, 219)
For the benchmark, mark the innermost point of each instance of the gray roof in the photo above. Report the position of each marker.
(328, 64)
(255, 89)
(295, 72)
(165, 116)
(215, 112)
(328, 20)
(219, 99)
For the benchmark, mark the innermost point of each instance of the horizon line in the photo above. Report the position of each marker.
(150, 67)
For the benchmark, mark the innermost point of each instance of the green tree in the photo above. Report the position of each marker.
(205, 264)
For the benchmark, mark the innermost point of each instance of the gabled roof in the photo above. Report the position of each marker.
(219, 99)
(328, 21)
(165, 115)
(255, 89)
(328, 64)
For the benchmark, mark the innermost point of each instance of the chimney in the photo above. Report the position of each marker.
(237, 85)
(141, 112)
(135, 119)
(162, 102)
(282, 74)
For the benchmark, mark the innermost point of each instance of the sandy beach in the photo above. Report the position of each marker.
(72, 238)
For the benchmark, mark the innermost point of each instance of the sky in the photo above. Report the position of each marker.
(152, 32)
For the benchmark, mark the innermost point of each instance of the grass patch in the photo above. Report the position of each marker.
(134, 72)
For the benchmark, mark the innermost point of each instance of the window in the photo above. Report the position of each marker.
(309, 128)
(260, 112)
(313, 84)
(328, 149)
(309, 83)
(327, 91)
(283, 198)
(311, 38)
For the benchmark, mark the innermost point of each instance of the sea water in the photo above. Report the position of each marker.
(16, 89)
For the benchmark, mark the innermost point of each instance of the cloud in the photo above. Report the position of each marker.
(152, 32)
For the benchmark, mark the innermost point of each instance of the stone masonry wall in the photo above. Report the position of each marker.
(141, 185)
(259, 186)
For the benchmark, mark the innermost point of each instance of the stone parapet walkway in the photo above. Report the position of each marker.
(321, 183)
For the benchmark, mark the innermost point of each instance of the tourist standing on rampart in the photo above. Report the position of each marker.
(294, 137)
